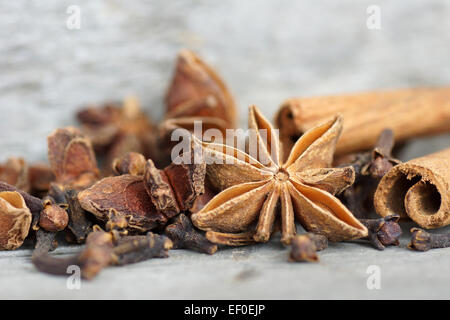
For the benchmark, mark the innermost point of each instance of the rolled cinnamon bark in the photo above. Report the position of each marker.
(419, 189)
(408, 112)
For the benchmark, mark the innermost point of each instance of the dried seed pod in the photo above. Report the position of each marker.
(304, 247)
(184, 236)
(118, 128)
(15, 172)
(72, 158)
(54, 217)
(196, 94)
(175, 188)
(33, 203)
(126, 194)
(15, 220)
(424, 241)
(134, 249)
(383, 232)
(196, 90)
(131, 163)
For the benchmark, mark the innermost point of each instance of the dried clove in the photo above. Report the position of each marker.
(131, 163)
(95, 256)
(384, 231)
(79, 225)
(369, 167)
(54, 216)
(185, 236)
(118, 128)
(132, 249)
(424, 241)
(304, 247)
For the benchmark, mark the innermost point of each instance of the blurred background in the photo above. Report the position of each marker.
(266, 51)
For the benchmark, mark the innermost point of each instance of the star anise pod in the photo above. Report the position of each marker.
(196, 93)
(116, 129)
(255, 189)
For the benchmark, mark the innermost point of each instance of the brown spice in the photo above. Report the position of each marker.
(304, 247)
(196, 93)
(116, 129)
(54, 217)
(15, 220)
(131, 163)
(15, 172)
(184, 236)
(383, 232)
(367, 114)
(72, 158)
(424, 241)
(146, 202)
(418, 189)
(252, 189)
(369, 167)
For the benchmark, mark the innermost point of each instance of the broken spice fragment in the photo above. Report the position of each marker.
(116, 129)
(15, 172)
(131, 163)
(126, 194)
(72, 158)
(15, 220)
(54, 217)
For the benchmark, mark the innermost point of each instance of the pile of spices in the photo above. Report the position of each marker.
(116, 187)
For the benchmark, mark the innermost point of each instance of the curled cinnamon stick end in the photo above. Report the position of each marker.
(367, 114)
(418, 189)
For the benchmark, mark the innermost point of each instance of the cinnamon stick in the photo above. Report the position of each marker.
(408, 112)
(418, 189)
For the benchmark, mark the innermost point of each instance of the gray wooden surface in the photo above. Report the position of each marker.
(266, 51)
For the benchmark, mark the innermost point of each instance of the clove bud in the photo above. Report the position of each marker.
(304, 247)
(383, 232)
(184, 236)
(424, 241)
